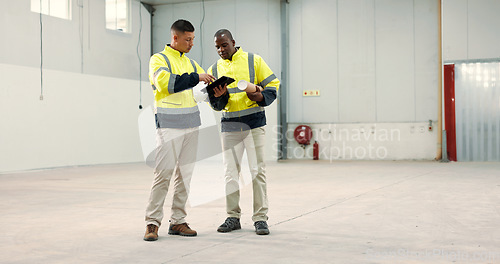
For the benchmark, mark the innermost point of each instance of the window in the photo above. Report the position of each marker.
(117, 15)
(55, 8)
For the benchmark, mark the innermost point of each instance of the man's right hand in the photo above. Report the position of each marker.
(206, 78)
(221, 90)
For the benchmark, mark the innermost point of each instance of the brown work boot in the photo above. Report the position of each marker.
(181, 229)
(151, 233)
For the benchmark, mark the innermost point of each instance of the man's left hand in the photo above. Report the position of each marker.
(257, 95)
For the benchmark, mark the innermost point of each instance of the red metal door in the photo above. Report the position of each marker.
(449, 111)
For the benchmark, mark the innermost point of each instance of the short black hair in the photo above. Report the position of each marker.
(182, 25)
(226, 32)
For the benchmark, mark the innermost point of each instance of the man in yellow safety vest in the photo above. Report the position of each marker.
(242, 124)
(172, 76)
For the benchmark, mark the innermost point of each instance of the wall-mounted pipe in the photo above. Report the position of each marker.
(439, 152)
(282, 95)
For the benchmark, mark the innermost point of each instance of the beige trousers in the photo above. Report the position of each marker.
(234, 144)
(175, 155)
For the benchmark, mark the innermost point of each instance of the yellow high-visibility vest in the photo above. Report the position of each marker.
(244, 66)
(173, 110)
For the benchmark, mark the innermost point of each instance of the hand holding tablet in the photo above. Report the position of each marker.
(221, 81)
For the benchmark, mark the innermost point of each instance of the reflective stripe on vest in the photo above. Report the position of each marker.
(214, 70)
(251, 69)
(155, 74)
(245, 112)
(171, 84)
(177, 111)
(159, 70)
(235, 90)
(171, 80)
(166, 59)
(267, 80)
(194, 65)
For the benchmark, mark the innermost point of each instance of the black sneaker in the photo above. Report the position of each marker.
(261, 228)
(231, 223)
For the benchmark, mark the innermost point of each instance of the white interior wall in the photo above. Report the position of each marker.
(82, 44)
(255, 26)
(90, 85)
(356, 52)
(77, 124)
(375, 62)
(470, 29)
(394, 59)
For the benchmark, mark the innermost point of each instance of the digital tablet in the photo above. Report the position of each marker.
(221, 81)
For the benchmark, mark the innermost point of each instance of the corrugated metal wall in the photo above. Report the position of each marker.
(477, 93)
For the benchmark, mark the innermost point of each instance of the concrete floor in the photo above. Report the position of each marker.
(320, 212)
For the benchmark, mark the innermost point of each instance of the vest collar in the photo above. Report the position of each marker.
(236, 55)
(172, 51)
